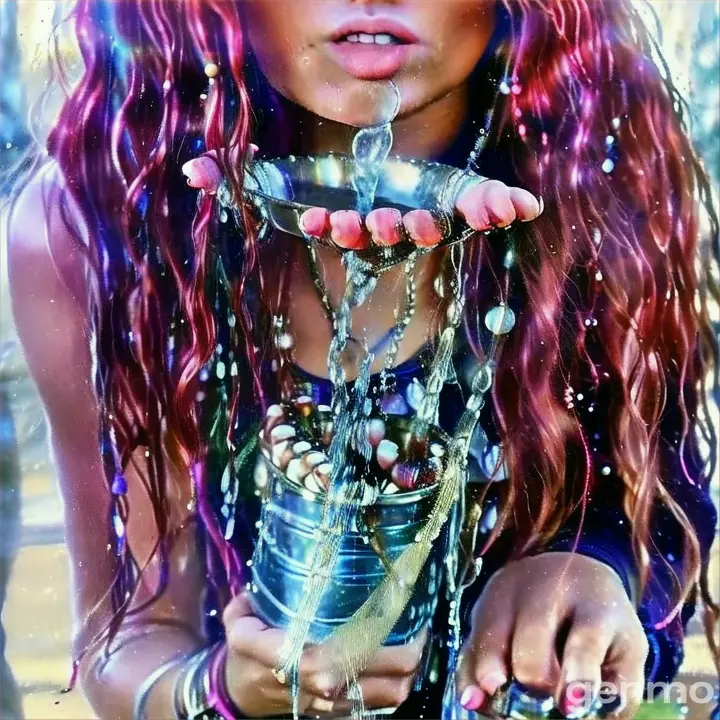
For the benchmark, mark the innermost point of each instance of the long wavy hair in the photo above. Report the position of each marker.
(614, 278)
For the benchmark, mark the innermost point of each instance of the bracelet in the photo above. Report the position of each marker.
(200, 692)
(149, 683)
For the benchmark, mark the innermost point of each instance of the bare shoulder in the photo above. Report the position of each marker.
(45, 238)
(46, 273)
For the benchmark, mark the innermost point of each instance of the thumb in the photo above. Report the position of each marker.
(204, 172)
(241, 607)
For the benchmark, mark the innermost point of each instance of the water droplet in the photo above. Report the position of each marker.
(504, 88)
(609, 140)
(608, 166)
(220, 370)
(606, 470)
(599, 276)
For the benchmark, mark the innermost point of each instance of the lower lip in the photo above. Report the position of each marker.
(370, 61)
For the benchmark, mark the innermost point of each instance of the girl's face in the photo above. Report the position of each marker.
(336, 58)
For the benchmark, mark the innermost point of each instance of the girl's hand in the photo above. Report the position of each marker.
(484, 205)
(560, 623)
(253, 654)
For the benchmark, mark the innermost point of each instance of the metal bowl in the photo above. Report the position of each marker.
(287, 541)
(284, 188)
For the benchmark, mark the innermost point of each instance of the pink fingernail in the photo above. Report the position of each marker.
(346, 230)
(203, 173)
(384, 226)
(472, 698)
(314, 222)
(422, 228)
(577, 699)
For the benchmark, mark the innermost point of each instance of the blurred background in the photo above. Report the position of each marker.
(34, 593)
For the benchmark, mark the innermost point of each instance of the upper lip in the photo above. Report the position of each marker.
(374, 26)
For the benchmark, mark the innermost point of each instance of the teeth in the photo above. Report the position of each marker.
(367, 39)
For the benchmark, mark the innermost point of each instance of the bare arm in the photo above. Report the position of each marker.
(48, 297)
(49, 306)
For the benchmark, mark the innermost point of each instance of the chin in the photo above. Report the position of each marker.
(359, 103)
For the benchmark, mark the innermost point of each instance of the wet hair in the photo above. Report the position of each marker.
(612, 291)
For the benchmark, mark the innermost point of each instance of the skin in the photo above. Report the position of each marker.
(518, 617)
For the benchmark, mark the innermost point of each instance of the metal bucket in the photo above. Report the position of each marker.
(285, 547)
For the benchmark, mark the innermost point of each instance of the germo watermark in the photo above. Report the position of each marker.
(586, 695)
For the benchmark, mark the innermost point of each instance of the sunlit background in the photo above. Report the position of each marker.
(34, 591)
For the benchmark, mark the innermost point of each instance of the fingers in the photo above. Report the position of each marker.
(315, 222)
(344, 227)
(494, 204)
(347, 231)
(583, 656)
(527, 206)
(484, 661)
(398, 660)
(240, 608)
(624, 668)
(533, 654)
(485, 205)
(203, 173)
(421, 228)
(248, 636)
(384, 225)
